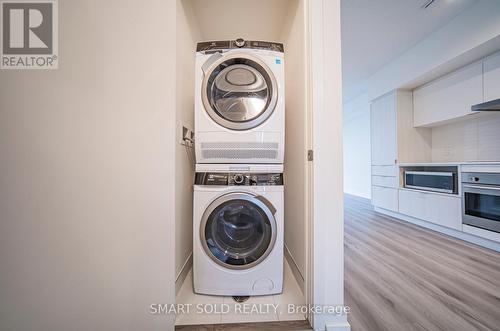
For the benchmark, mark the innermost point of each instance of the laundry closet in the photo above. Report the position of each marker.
(268, 151)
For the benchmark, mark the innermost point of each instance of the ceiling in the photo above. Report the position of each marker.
(374, 32)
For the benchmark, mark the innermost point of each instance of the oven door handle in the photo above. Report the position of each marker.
(482, 187)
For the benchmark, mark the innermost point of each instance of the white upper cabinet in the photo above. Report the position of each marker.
(449, 97)
(383, 130)
(492, 78)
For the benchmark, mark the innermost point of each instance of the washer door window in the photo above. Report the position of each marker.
(239, 92)
(238, 231)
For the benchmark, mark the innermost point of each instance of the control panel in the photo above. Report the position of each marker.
(481, 178)
(235, 179)
(213, 46)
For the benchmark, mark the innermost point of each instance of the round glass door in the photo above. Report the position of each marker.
(238, 231)
(239, 92)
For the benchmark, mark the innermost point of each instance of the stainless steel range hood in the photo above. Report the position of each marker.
(487, 106)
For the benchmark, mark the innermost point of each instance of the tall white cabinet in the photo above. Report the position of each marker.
(394, 140)
(383, 131)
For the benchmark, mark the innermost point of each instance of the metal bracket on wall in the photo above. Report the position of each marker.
(310, 155)
(187, 137)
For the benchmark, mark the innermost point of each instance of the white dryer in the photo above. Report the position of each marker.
(239, 102)
(238, 231)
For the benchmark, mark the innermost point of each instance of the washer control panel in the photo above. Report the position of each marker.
(237, 178)
(220, 45)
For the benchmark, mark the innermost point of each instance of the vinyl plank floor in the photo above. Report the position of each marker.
(399, 276)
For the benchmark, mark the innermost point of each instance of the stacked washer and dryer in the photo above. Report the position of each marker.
(238, 224)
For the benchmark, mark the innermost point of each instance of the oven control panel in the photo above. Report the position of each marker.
(481, 178)
(237, 178)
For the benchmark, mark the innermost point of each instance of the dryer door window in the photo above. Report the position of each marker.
(238, 231)
(239, 92)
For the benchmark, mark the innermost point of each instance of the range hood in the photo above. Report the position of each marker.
(487, 106)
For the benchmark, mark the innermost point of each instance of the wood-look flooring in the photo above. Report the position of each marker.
(399, 276)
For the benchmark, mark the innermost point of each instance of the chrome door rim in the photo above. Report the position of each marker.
(471, 220)
(240, 196)
(240, 126)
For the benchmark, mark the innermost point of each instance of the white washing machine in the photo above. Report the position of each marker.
(239, 102)
(238, 230)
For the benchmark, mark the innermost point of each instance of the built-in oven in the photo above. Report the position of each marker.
(481, 200)
(435, 181)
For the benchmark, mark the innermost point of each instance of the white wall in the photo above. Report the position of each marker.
(295, 135)
(475, 138)
(187, 36)
(357, 147)
(466, 38)
(251, 20)
(86, 185)
(328, 220)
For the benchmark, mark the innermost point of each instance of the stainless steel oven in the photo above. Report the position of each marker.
(436, 181)
(481, 200)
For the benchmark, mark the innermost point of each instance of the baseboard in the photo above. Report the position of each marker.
(338, 327)
(295, 269)
(358, 198)
(329, 322)
(441, 229)
(181, 276)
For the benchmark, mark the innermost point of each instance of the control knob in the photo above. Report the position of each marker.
(238, 179)
(240, 42)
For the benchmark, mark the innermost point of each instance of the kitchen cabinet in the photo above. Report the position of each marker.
(391, 170)
(385, 181)
(441, 209)
(393, 140)
(384, 151)
(449, 97)
(383, 130)
(393, 137)
(385, 197)
(491, 77)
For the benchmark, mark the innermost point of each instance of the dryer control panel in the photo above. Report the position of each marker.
(220, 45)
(237, 178)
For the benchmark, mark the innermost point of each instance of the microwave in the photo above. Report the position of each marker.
(434, 181)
